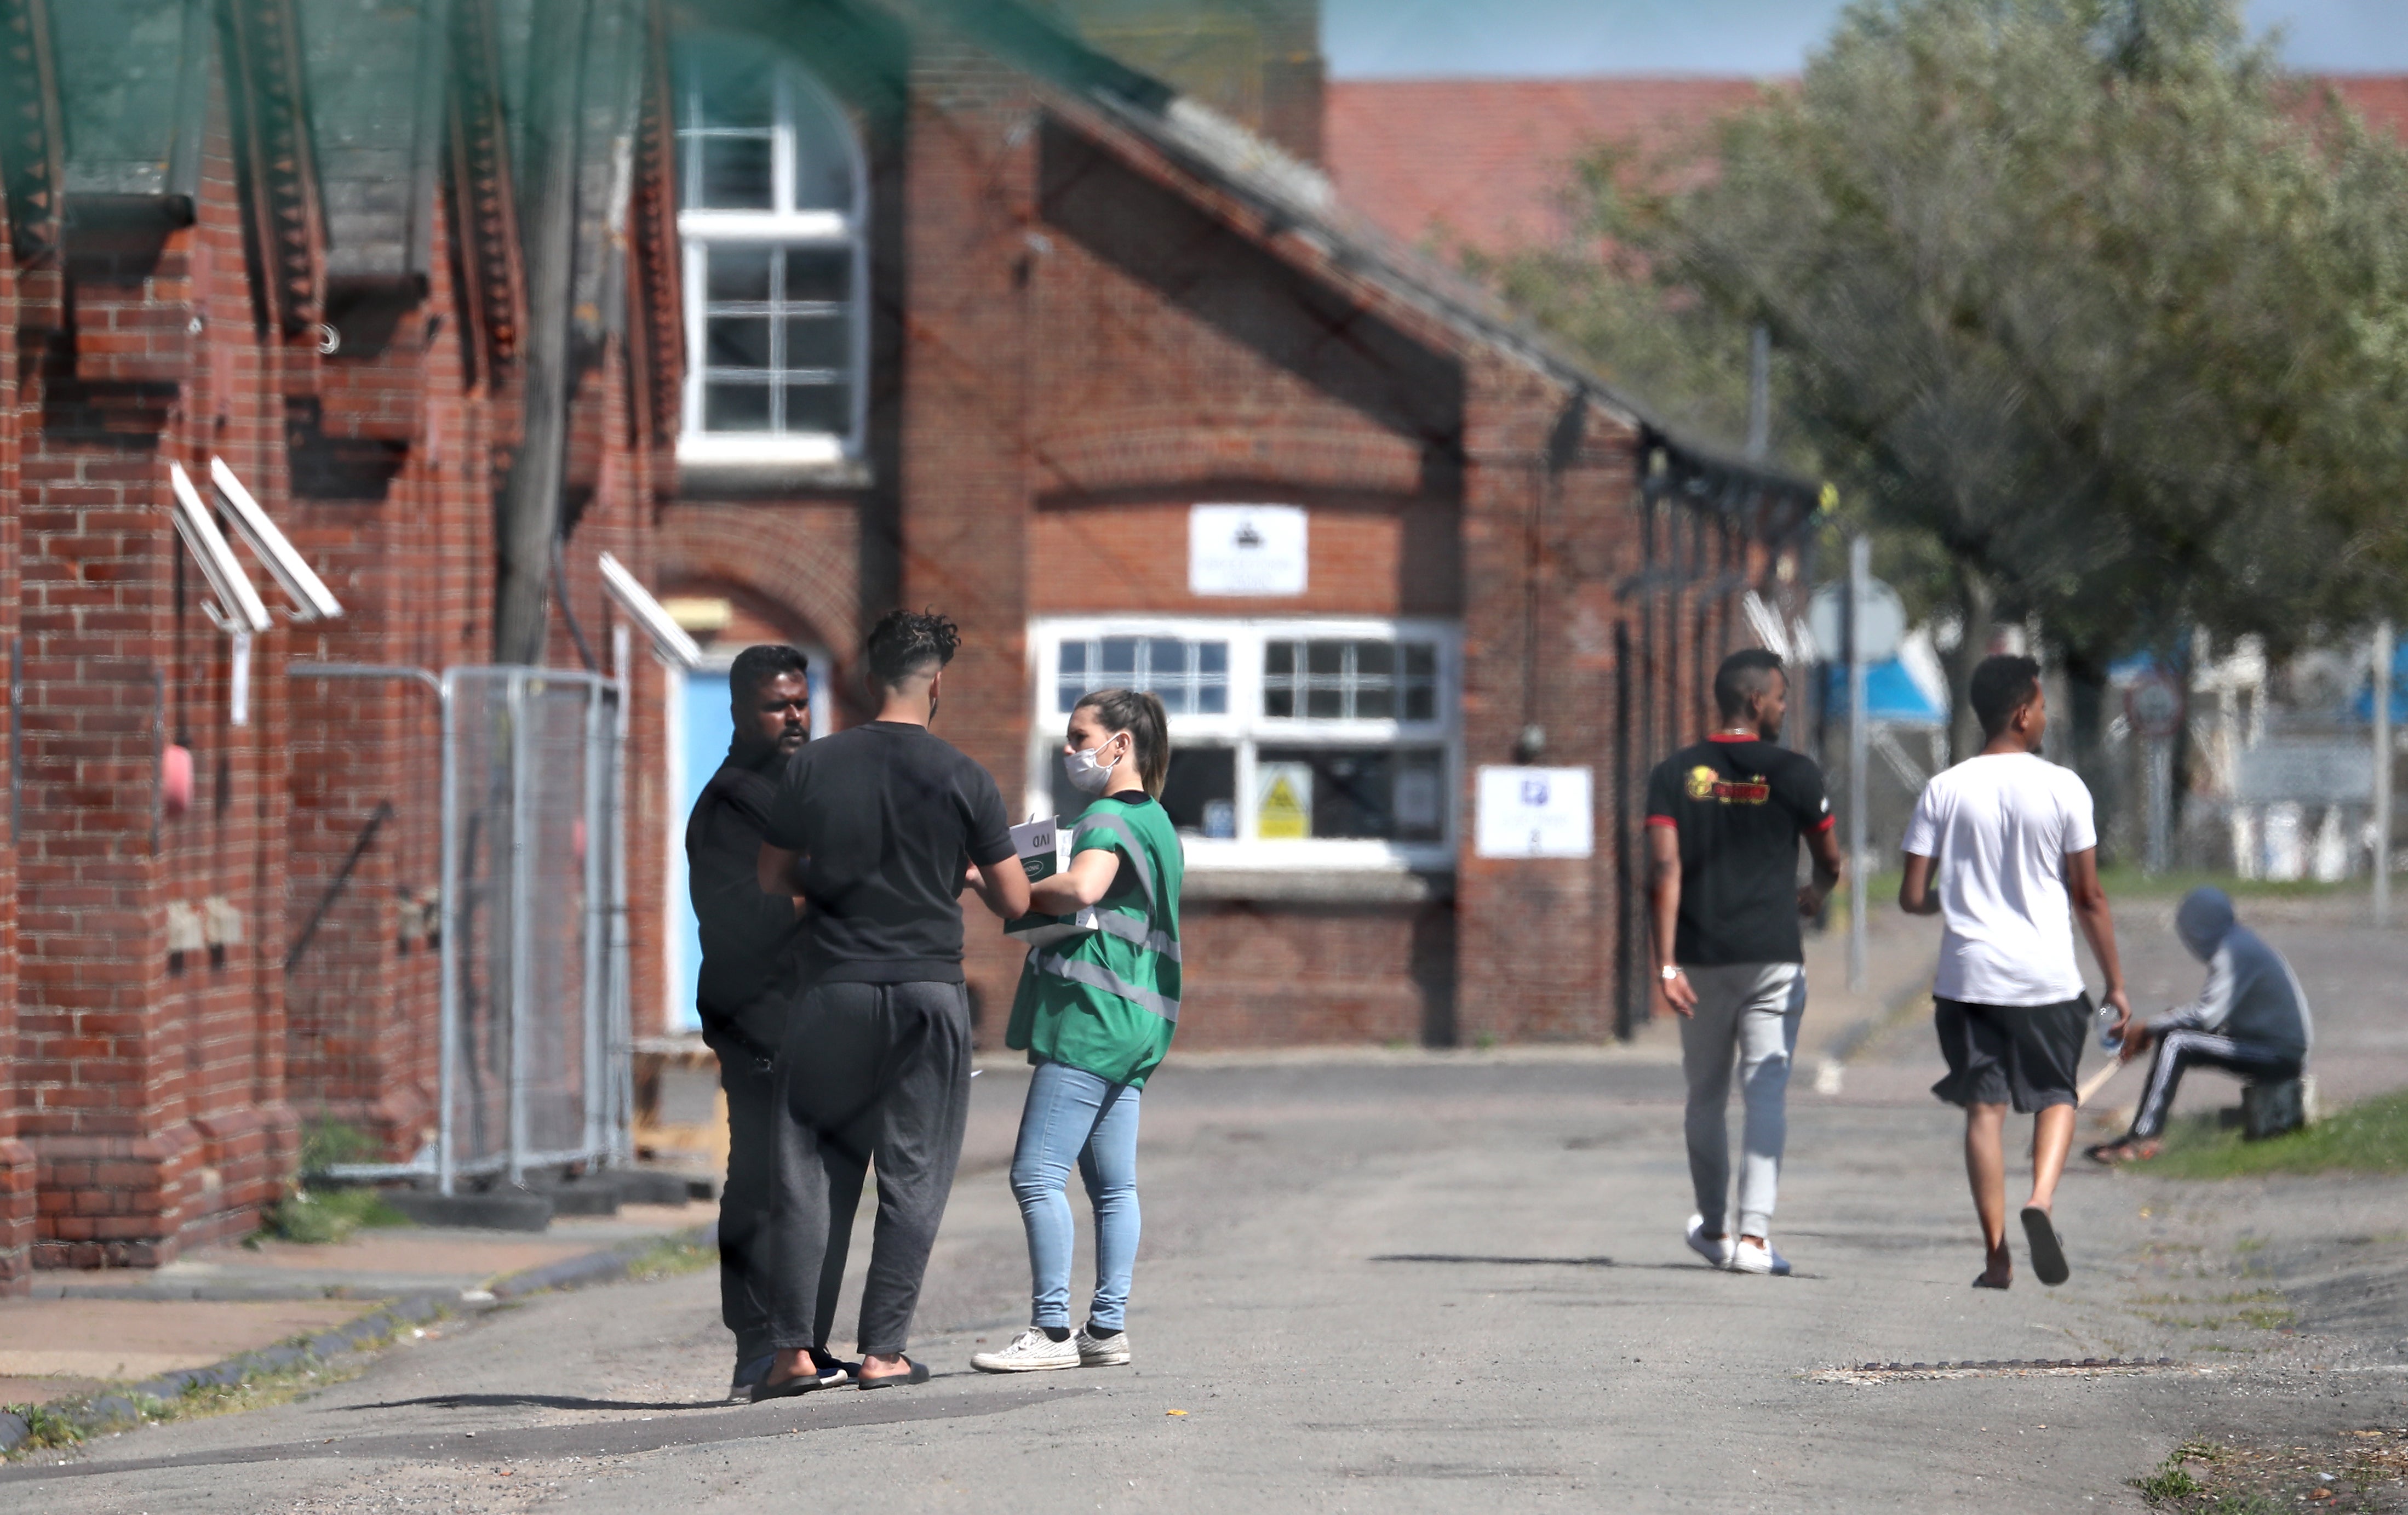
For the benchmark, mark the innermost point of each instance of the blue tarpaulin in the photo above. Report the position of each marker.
(1891, 694)
(2361, 708)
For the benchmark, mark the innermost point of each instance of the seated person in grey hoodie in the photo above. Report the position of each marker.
(2252, 1019)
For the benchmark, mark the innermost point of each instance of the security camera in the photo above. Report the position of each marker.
(312, 599)
(669, 638)
(236, 607)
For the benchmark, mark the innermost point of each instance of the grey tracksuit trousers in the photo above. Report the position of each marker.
(868, 1072)
(1748, 1013)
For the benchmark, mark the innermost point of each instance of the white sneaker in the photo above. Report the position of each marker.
(1031, 1352)
(1747, 1256)
(1716, 1251)
(1101, 1351)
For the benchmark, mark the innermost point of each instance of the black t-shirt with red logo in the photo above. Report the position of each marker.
(1739, 805)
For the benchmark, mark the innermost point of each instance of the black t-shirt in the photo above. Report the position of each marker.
(1740, 806)
(886, 818)
(746, 934)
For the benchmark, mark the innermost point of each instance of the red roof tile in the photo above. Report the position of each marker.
(2381, 99)
(1483, 162)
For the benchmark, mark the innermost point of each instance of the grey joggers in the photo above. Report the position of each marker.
(867, 1071)
(1748, 1013)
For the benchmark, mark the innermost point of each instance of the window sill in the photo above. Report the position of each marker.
(736, 465)
(1319, 886)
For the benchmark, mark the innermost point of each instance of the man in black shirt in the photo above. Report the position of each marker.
(748, 942)
(1724, 819)
(878, 829)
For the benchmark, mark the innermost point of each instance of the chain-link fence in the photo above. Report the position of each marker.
(529, 922)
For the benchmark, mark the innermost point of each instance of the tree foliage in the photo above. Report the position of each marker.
(2085, 302)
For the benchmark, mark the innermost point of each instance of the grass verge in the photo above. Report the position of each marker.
(2361, 1471)
(321, 1215)
(2122, 880)
(670, 1256)
(2369, 1137)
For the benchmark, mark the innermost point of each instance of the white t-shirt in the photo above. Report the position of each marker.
(1997, 828)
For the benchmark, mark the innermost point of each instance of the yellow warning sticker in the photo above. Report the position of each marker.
(1283, 813)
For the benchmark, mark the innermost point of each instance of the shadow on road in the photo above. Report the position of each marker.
(564, 1402)
(1537, 1262)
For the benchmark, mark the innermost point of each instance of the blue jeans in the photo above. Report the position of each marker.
(1075, 1115)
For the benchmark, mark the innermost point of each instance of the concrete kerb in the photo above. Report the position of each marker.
(118, 1408)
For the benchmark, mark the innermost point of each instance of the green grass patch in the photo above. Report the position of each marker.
(327, 1144)
(2171, 1480)
(45, 1428)
(328, 1215)
(2126, 879)
(670, 1256)
(2369, 1137)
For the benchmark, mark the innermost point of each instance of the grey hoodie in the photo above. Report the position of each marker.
(2251, 995)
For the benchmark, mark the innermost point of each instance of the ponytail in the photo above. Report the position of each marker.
(1141, 716)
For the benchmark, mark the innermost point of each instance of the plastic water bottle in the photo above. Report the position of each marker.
(2108, 1040)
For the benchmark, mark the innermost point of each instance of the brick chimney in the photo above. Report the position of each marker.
(1258, 62)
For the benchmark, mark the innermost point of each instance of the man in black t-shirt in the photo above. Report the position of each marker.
(749, 939)
(878, 828)
(1724, 821)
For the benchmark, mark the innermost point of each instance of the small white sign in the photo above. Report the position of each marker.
(1535, 813)
(1245, 550)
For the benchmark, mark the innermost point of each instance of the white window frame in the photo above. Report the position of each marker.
(785, 225)
(1245, 728)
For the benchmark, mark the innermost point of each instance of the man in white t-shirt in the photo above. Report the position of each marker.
(2003, 846)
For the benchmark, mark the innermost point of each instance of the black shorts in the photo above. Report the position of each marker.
(2026, 1055)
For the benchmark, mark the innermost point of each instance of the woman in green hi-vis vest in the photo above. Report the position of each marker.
(1094, 1013)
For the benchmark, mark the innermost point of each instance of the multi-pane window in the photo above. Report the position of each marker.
(771, 214)
(1317, 743)
(1350, 680)
(1190, 677)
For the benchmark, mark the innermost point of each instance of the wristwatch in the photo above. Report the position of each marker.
(1669, 972)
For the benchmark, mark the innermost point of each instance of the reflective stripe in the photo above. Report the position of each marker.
(1113, 923)
(1134, 850)
(1095, 975)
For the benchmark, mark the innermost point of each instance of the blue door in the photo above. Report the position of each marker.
(704, 729)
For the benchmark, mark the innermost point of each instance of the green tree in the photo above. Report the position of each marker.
(2093, 312)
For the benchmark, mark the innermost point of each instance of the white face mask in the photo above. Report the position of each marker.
(1088, 773)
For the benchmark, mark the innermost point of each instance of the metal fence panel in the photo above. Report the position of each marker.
(535, 759)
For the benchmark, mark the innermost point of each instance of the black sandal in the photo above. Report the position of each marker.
(915, 1373)
(2047, 1247)
(802, 1383)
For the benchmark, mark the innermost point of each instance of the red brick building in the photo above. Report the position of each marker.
(852, 304)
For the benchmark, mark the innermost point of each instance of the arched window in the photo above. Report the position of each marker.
(771, 207)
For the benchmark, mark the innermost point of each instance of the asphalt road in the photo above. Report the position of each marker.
(1402, 1283)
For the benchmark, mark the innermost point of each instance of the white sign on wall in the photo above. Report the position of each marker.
(1245, 550)
(1534, 813)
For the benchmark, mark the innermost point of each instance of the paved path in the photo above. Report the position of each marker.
(1404, 1284)
(1409, 1281)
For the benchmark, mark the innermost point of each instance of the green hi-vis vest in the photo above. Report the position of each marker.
(1105, 1002)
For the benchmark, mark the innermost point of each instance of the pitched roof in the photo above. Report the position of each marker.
(1294, 197)
(1481, 162)
(2381, 99)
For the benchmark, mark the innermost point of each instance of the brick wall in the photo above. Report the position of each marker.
(17, 1167)
(151, 1083)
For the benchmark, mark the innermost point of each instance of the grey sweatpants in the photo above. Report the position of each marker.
(868, 1071)
(1747, 1012)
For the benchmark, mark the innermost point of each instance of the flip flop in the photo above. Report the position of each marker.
(917, 1373)
(2047, 1247)
(834, 1370)
(1981, 1280)
(802, 1383)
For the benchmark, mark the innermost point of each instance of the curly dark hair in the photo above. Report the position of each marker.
(756, 666)
(2002, 683)
(905, 642)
